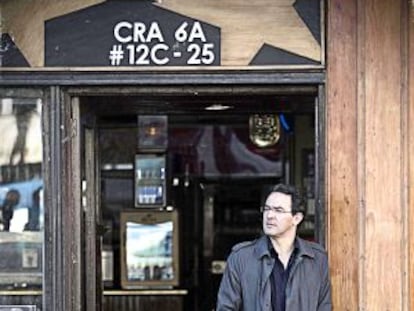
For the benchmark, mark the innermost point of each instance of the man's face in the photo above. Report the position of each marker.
(278, 220)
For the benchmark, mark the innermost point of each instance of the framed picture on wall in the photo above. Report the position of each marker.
(149, 249)
(152, 132)
(150, 186)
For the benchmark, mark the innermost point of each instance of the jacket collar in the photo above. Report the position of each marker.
(304, 248)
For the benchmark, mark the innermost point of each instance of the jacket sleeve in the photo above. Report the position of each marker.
(325, 303)
(229, 294)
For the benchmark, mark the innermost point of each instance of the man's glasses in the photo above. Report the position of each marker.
(276, 209)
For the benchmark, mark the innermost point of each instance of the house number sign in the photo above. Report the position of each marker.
(139, 43)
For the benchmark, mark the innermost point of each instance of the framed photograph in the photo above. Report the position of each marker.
(149, 249)
(150, 186)
(152, 132)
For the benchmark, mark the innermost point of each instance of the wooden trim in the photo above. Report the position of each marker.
(360, 174)
(194, 90)
(143, 292)
(92, 237)
(62, 78)
(342, 150)
(75, 203)
(410, 158)
(323, 5)
(62, 286)
(53, 250)
(405, 62)
(320, 149)
(263, 68)
(383, 167)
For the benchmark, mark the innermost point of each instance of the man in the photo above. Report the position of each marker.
(11, 200)
(278, 271)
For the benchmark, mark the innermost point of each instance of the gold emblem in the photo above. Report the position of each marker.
(264, 129)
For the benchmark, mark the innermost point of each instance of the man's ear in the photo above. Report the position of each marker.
(298, 217)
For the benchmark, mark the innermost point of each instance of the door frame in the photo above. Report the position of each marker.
(63, 286)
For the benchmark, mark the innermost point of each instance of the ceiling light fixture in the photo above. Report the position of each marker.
(216, 107)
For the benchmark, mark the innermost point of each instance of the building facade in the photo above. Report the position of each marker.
(140, 137)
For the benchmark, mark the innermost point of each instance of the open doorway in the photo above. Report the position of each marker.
(220, 155)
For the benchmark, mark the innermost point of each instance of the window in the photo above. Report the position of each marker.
(21, 196)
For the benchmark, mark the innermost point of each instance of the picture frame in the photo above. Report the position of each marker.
(150, 183)
(152, 132)
(149, 249)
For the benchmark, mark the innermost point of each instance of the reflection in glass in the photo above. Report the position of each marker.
(223, 150)
(21, 193)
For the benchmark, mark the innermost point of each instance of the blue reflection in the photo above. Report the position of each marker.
(21, 205)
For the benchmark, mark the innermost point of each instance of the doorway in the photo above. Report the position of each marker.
(222, 153)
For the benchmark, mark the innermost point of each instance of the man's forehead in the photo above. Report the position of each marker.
(280, 198)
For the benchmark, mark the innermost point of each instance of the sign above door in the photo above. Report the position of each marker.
(167, 33)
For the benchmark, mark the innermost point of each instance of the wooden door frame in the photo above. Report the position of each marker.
(63, 287)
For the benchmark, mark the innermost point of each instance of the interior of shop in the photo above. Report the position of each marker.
(182, 178)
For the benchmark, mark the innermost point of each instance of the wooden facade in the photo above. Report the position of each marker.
(410, 171)
(369, 160)
(368, 169)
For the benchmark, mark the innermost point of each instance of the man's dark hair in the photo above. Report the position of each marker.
(297, 204)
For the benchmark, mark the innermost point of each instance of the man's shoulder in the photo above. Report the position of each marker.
(246, 245)
(315, 247)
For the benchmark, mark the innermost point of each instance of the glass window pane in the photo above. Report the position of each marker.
(21, 198)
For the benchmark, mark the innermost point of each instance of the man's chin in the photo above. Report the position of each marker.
(271, 233)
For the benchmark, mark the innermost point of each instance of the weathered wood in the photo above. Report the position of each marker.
(239, 25)
(182, 80)
(93, 260)
(410, 158)
(30, 34)
(53, 288)
(367, 157)
(72, 210)
(243, 34)
(138, 303)
(384, 208)
(342, 147)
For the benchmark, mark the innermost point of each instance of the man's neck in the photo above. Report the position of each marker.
(284, 247)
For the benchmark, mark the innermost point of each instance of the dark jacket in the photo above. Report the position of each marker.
(245, 285)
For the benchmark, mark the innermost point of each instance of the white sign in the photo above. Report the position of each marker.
(142, 44)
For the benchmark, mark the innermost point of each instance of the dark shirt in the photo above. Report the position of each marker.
(279, 278)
